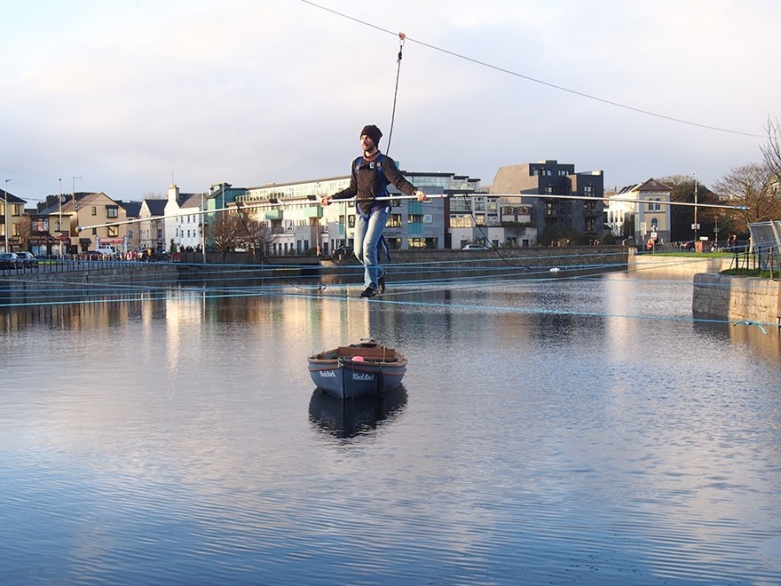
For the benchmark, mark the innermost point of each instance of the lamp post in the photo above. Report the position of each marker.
(59, 224)
(203, 230)
(73, 192)
(696, 226)
(5, 194)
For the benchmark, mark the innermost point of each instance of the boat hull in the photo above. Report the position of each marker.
(351, 372)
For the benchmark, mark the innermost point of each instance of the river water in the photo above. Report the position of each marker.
(548, 432)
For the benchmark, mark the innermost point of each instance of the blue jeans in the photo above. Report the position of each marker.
(367, 238)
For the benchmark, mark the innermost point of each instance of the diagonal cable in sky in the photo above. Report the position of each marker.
(532, 79)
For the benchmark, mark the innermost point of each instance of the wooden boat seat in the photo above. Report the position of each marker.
(383, 354)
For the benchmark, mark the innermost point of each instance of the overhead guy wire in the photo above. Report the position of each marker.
(535, 80)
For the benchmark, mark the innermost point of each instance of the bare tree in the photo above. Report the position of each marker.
(24, 228)
(227, 232)
(256, 236)
(755, 188)
(682, 217)
(772, 150)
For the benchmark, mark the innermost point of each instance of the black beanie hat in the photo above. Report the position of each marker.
(372, 132)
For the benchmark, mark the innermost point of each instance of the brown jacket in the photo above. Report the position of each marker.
(367, 183)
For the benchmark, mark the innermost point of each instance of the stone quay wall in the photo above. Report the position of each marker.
(680, 266)
(715, 295)
(737, 298)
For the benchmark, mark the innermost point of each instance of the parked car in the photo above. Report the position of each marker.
(688, 245)
(155, 256)
(9, 260)
(107, 252)
(27, 259)
(475, 247)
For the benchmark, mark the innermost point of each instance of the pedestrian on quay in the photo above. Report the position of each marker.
(370, 175)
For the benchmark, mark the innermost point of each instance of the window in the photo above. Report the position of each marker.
(460, 204)
(94, 211)
(112, 211)
(113, 231)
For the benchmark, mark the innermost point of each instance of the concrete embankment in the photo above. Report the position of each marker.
(736, 298)
(418, 264)
(71, 278)
(715, 295)
(678, 266)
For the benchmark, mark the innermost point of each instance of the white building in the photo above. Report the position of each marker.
(299, 225)
(646, 206)
(183, 219)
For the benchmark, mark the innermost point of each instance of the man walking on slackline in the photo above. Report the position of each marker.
(369, 179)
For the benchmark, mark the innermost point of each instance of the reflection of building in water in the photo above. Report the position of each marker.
(621, 331)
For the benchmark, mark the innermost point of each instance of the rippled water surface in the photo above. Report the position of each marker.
(564, 432)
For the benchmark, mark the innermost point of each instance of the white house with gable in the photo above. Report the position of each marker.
(183, 219)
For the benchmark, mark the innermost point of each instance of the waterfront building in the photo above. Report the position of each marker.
(299, 225)
(82, 222)
(642, 212)
(132, 234)
(11, 214)
(184, 217)
(151, 224)
(554, 217)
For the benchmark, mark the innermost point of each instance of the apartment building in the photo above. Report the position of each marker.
(299, 225)
(579, 210)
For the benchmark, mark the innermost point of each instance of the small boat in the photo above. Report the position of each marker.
(357, 370)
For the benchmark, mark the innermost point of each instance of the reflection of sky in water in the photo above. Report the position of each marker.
(549, 432)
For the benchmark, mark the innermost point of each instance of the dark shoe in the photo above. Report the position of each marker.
(381, 285)
(369, 292)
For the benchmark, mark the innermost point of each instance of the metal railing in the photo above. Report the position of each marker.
(55, 265)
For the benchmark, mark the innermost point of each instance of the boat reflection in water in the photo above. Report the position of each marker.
(345, 418)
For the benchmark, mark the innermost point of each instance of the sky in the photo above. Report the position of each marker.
(130, 96)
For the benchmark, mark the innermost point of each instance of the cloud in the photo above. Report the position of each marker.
(127, 92)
